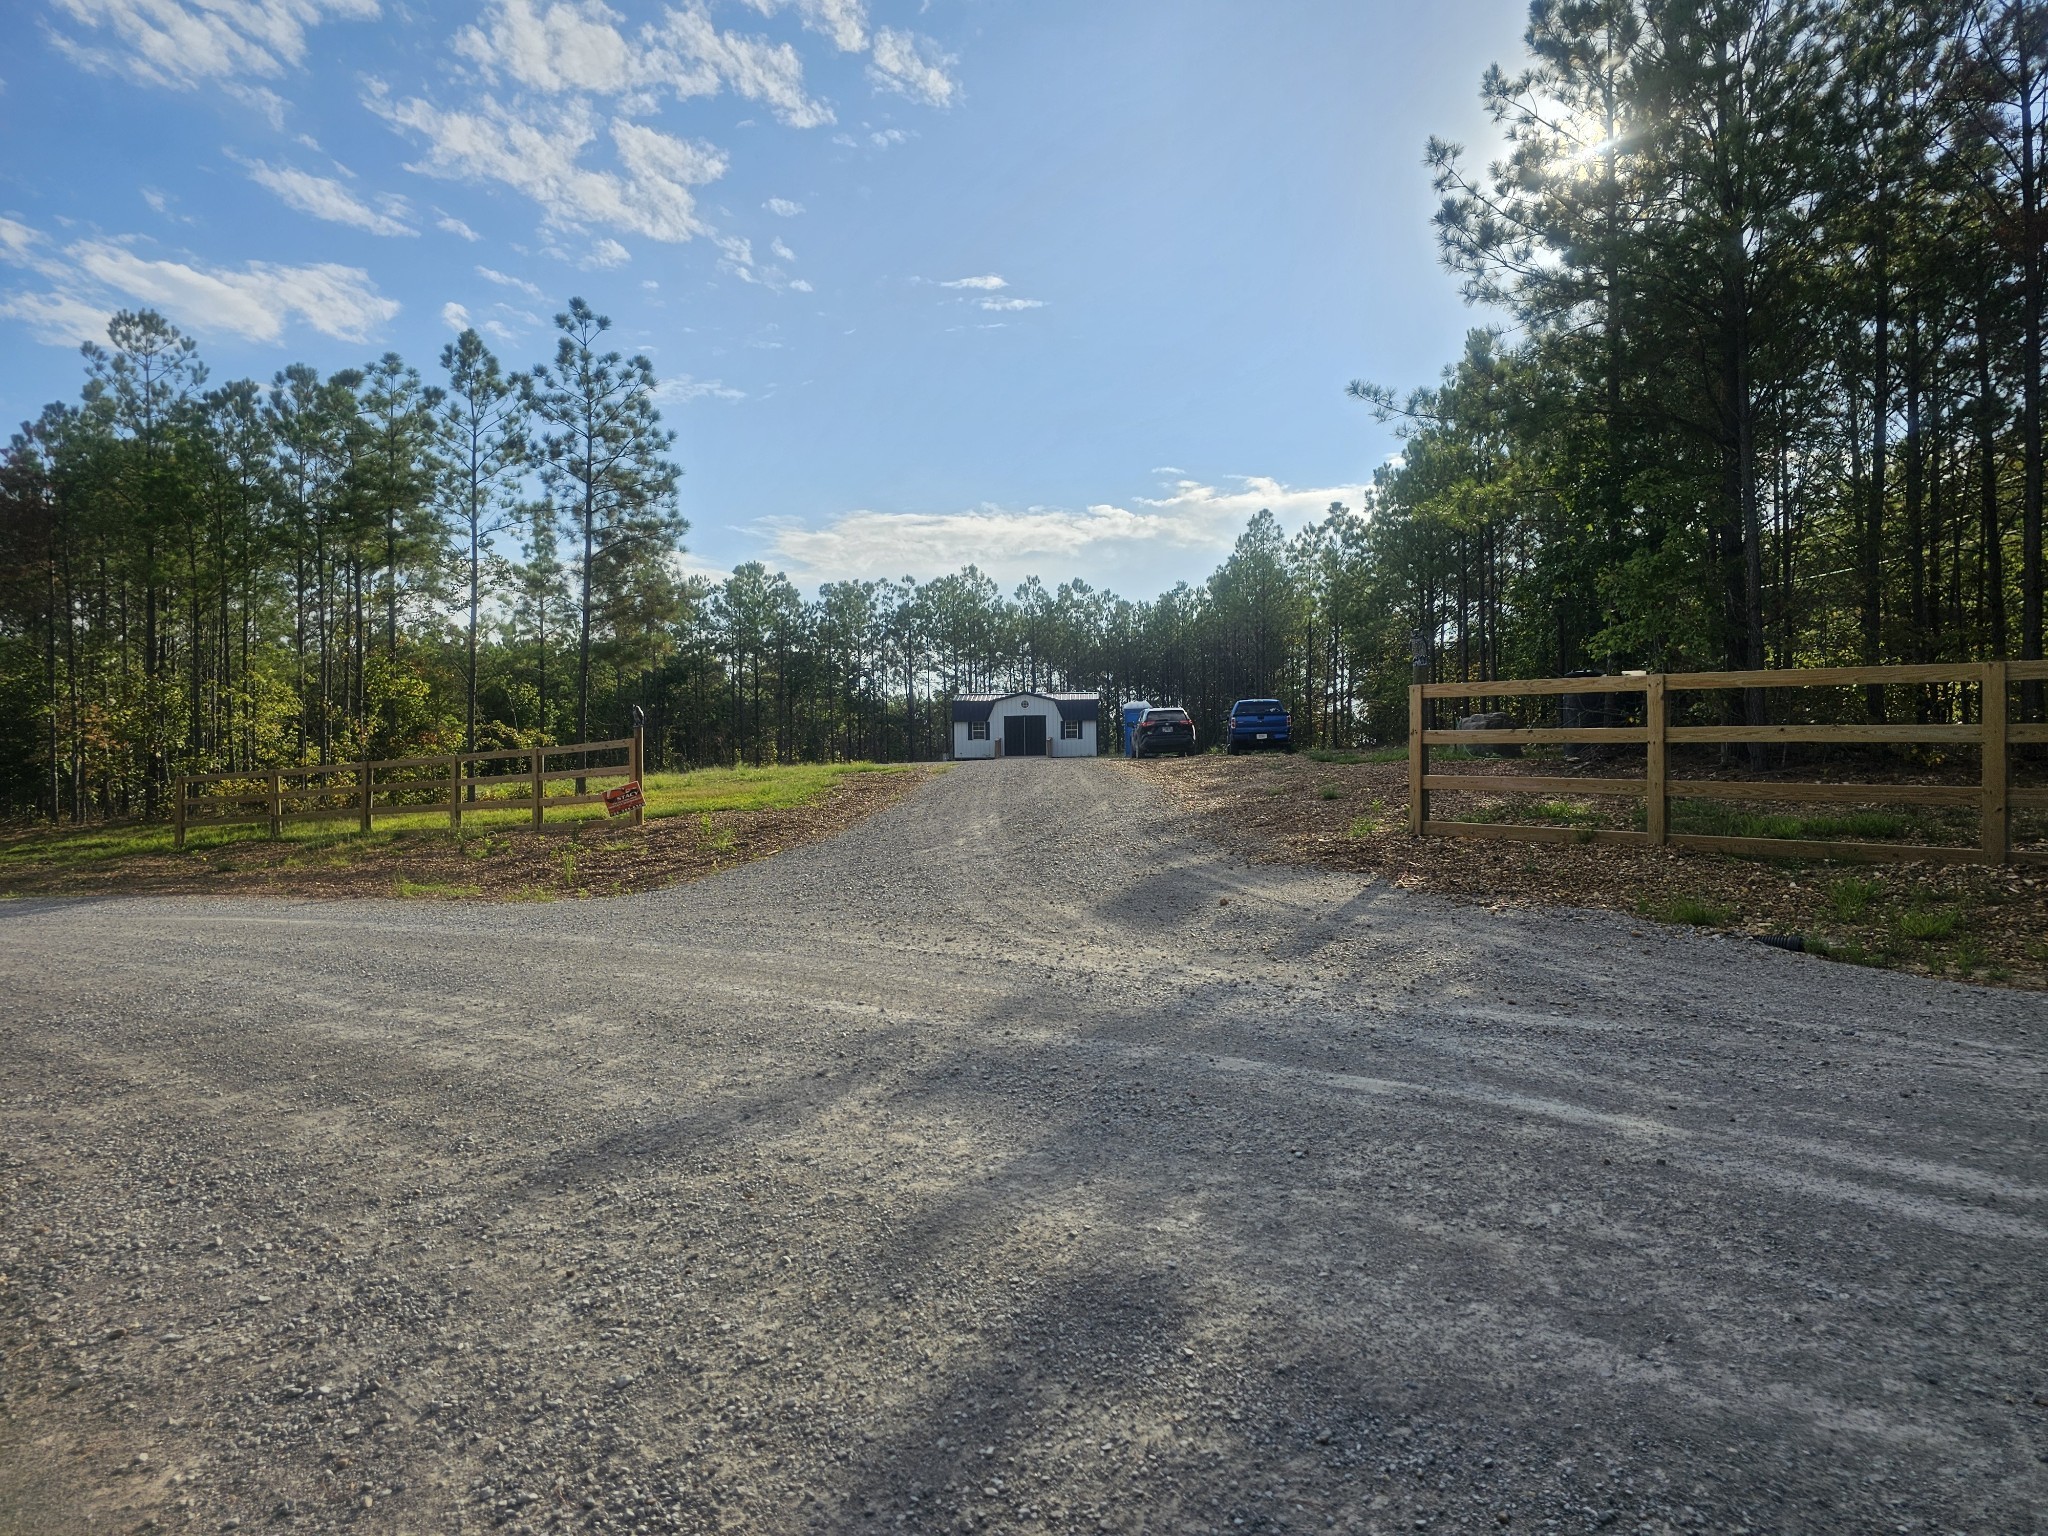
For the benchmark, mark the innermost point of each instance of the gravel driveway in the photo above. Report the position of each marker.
(1014, 1162)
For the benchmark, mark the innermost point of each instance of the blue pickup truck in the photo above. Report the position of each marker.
(1257, 725)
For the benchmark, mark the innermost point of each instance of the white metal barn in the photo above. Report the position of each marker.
(1025, 724)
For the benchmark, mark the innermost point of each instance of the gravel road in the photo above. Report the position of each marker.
(1015, 1162)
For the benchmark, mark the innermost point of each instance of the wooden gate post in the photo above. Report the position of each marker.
(455, 793)
(638, 763)
(1418, 762)
(276, 804)
(363, 777)
(178, 814)
(1993, 821)
(1656, 797)
(540, 785)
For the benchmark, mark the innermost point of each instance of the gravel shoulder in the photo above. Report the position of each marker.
(1018, 1160)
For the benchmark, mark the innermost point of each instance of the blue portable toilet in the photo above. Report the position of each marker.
(1134, 711)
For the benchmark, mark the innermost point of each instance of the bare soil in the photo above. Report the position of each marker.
(1352, 816)
(1019, 1160)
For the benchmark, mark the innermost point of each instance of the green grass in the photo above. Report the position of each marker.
(1688, 909)
(42, 852)
(1331, 792)
(1926, 923)
(1555, 813)
(1852, 895)
(1719, 819)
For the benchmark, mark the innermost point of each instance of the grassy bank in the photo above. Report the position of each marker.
(702, 818)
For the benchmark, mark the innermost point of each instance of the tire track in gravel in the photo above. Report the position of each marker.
(1014, 1161)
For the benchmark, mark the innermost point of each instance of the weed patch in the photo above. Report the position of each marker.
(1690, 910)
(1927, 923)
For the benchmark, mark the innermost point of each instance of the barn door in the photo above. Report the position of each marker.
(1015, 736)
(1034, 735)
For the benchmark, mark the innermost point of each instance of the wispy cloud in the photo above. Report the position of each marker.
(184, 44)
(783, 208)
(540, 155)
(507, 280)
(912, 66)
(683, 388)
(455, 226)
(1010, 304)
(454, 316)
(571, 47)
(324, 198)
(1191, 517)
(89, 279)
(989, 282)
(844, 21)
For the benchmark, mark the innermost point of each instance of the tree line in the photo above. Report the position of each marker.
(1767, 392)
(1771, 393)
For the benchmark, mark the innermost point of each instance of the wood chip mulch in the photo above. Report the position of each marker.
(590, 858)
(1352, 816)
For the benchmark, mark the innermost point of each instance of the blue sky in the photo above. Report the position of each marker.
(1059, 286)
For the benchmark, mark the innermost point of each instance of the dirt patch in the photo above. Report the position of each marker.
(576, 859)
(1975, 922)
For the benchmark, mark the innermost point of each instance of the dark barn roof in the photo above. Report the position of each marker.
(972, 707)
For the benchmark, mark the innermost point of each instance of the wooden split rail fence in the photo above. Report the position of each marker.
(403, 786)
(1993, 733)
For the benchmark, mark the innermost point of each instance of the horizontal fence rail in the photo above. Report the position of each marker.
(454, 783)
(1994, 734)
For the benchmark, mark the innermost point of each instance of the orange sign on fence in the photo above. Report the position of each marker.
(627, 797)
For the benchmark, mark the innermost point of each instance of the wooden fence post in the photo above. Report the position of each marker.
(276, 804)
(540, 785)
(1656, 817)
(1418, 763)
(1993, 818)
(364, 775)
(639, 768)
(178, 814)
(455, 793)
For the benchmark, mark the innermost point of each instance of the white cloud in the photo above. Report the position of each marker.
(783, 208)
(543, 159)
(455, 226)
(990, 282)
(92, 277)
(158, 202)
(781, 251)
(1009, 304)
(683, 388)
(1192, 519)
(59, 319)
(738, 259)
(17, 241)
(604, 255)
(913, 67)
(187, 43)
(454, 316)
(844, 21)
(579, 46)
(324, 198)
(506, 280)
(883, 138)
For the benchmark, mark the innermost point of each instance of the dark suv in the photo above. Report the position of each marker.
(1256, 724)
(1163, 730)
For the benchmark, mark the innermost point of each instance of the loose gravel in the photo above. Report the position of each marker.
(1017, 1161)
